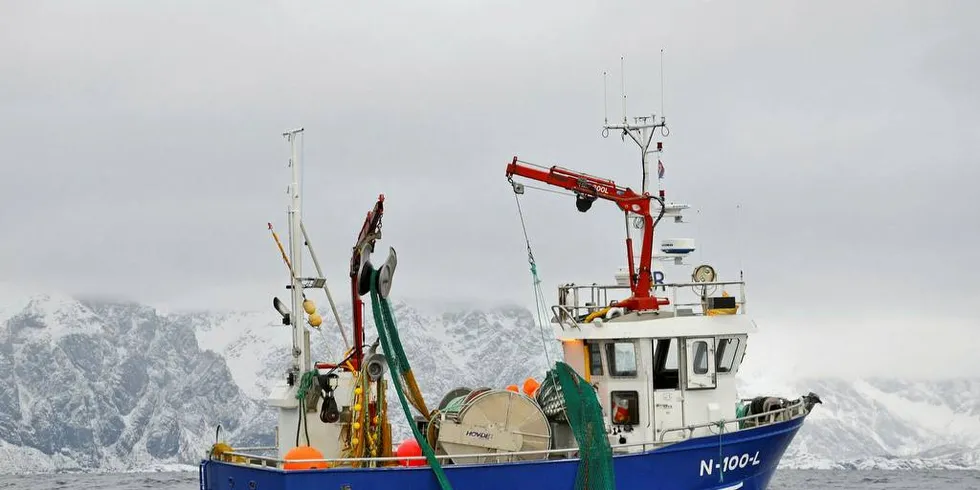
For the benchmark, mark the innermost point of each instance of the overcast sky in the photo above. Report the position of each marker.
(142, 156)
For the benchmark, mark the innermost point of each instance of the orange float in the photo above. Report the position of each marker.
(530, 387)
(295, 455)
(513, 388)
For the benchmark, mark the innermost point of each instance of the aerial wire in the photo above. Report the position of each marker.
(536, 282)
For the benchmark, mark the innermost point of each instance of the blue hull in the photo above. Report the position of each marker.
(745, 460)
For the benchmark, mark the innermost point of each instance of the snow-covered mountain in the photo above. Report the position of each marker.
(887, 423)
(95, 384)
(448, 347)
(112, 386)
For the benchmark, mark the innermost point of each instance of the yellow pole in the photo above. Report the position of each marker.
(282, 251)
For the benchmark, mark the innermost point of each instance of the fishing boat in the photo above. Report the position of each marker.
(644, 395)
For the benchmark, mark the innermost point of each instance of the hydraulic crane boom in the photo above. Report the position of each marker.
(587, 189)
(370, 232)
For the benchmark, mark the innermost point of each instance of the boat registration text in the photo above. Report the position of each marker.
(734, 462)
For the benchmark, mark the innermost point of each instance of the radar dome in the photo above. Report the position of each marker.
(677, 245)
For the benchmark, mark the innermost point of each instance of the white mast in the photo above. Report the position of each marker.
(641, 132)
(301, 358)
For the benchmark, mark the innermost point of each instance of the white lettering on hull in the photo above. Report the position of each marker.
(734, 462)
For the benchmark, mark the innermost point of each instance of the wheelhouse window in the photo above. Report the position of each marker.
(625, 407)
(725, 357)
(665, 365)
(621, 358)
(700, 363)
(595, 359)
(700, 357)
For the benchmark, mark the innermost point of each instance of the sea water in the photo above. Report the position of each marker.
(784, 480)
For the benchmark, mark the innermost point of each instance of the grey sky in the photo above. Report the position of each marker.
(142, 156)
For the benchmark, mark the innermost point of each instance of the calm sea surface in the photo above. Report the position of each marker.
(784, 480)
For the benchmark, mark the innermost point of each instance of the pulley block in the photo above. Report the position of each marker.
(386, 273)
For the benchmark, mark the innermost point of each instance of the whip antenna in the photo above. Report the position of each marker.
(662, 82)
(605, 99)
(622, 71)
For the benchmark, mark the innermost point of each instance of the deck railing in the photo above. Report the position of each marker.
(795, 410)
(577, 301)
(790, 412)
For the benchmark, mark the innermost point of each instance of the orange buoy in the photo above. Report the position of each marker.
(304, 452)
(409, 448)
(530, 386)
(513, 388)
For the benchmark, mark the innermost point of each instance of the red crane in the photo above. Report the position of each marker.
(360, 274)
(587, 189)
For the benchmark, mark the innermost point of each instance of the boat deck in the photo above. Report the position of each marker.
(247, 456)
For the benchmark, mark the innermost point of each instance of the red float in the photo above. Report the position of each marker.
(409, 448)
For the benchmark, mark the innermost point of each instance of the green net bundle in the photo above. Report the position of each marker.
(581, 408)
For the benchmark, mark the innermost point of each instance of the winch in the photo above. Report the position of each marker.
(492, 421)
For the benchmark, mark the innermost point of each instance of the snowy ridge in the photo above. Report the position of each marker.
(456, 346)
(888, 424)
(113, 386)
(89, 385)
(249, 342)
(50, 317)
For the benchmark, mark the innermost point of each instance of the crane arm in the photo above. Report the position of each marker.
(370, 232)
(585, 186)
(587, 189)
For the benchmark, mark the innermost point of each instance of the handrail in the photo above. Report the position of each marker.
(658, 285)
(381, 459)
(569, 309)
(799, 404)
(561, 312)
(596, 297)
(796, 407)
(258, 448)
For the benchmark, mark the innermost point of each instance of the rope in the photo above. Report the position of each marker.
(306, 382)
(539, 300)
(398, 365)
(721, 474)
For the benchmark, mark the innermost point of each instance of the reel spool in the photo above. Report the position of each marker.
(491, 421)
(453, 393)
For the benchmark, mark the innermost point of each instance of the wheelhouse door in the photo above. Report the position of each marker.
(668, 398)
(700, 363)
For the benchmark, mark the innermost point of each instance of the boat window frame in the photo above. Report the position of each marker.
(611, 359)
(632, 406)
(700, 362)
(660, 362)
(726, 346)
(691, 372)
(595, 358)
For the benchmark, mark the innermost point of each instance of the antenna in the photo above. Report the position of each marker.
(662, 81)
(605, 100)
(738, 249)
(641, 131)
(622, 74)
(738, 236)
